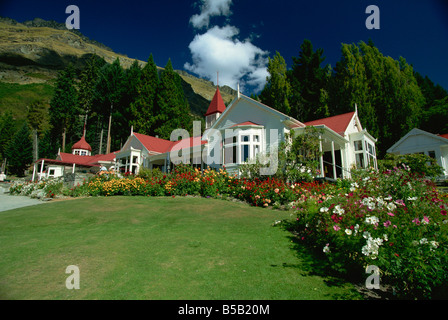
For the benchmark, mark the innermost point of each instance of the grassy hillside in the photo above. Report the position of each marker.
(32, 53)
(16, 98)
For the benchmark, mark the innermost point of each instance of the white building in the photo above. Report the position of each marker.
(419, 141)
(246, 128)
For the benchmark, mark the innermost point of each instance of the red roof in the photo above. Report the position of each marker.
(154, 144)
(162, 146)
(82, 144)
(247, 123)
(85, 160)
(217, 104)
(336, 123)
(444, 135)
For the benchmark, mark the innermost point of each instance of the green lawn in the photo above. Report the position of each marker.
(156, 248)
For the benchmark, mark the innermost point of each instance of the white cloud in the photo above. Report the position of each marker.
(237, 61)
(210, 8)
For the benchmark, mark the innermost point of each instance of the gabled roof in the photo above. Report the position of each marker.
(217, 104)
(163, 146)
(82, 144)
(439, 137)
(337, 123)
(154, 144)
(289, 121)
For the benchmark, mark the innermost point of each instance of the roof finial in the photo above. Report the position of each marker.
(356, 108)
(217, 79)
(238, 90)
(132, 130)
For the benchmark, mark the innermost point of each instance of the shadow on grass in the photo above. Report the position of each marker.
(314, 263)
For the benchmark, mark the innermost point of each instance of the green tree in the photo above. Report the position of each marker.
(64, 108)
(7, 129)
(37, 116)
(435, 111)
(309, 82)
(20, 151)
(144, 107)
(173, 111)
(386, 92)
(277, 90)
(109, 94)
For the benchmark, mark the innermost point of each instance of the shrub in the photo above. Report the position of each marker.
(393, 219)
(417, 163)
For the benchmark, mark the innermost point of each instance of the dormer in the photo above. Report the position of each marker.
(215, 109)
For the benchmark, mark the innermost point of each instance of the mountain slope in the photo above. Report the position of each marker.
(34, 51)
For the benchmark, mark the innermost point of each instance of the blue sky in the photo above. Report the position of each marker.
(235, 37)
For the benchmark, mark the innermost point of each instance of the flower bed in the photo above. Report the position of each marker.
(394, 220)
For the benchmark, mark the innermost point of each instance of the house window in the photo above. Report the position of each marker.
(359, 160)
(241, 146)
(432, 154)
(365, 154)
(51, 172)
(244, 153)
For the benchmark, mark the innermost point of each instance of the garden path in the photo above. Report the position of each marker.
(8, 202)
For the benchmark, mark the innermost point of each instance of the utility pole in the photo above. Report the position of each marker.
(63, 140)
(101, 142)
(35, 146)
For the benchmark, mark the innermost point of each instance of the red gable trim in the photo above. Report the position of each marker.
(247, 123)
(217, 104)
(336, 123)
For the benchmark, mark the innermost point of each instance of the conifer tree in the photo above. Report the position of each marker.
(7, 129)
(309, 80)
(109, 93)
(64, 107)
(20, 151)
(173, 108)
(144, 108)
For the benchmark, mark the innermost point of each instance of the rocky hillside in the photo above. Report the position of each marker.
(34, 52)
